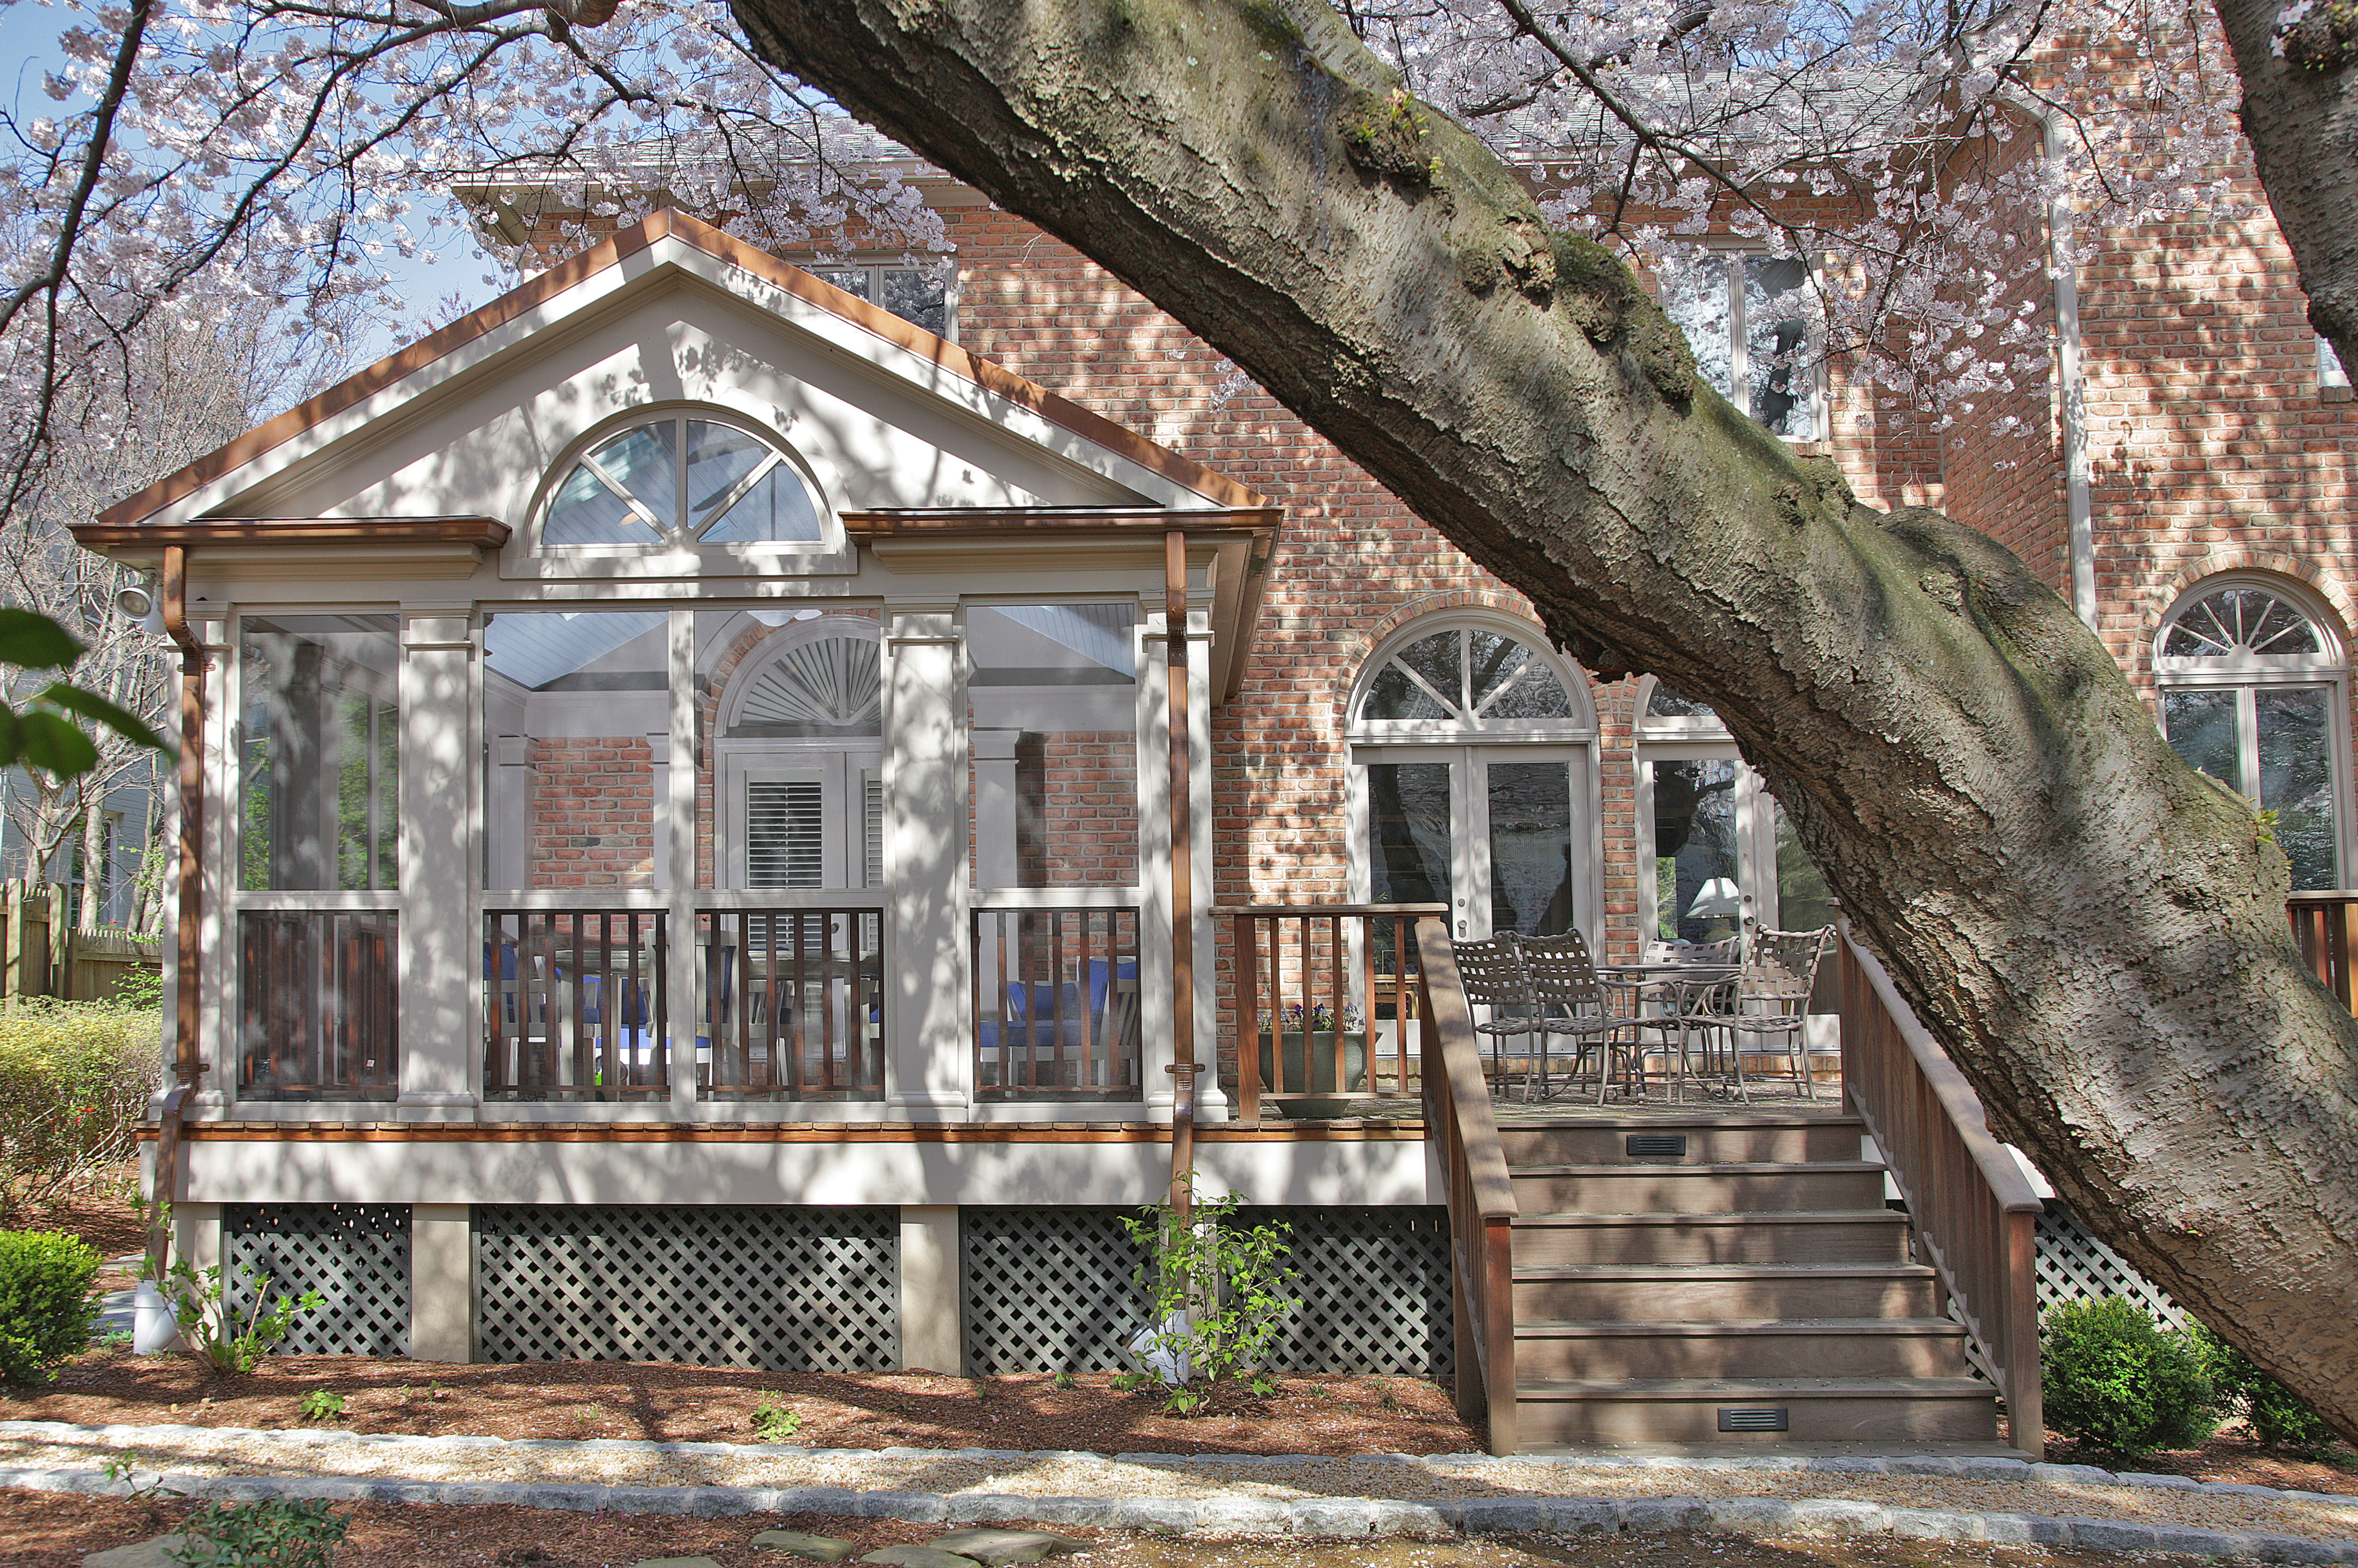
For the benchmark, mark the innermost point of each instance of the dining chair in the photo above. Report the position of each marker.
(1771, 1016)
(1492, 976)
(1571, 1002)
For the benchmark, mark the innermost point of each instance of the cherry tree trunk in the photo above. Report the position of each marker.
(2095, 932)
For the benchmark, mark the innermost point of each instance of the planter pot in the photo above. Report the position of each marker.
(153, 1330)
(1319, 1076)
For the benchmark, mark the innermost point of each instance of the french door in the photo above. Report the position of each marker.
(1718, 858)
(1500, 834)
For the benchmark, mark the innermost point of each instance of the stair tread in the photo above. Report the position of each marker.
(1593, 1219)
(1515, 1122)
(1726, 1270)
(1659, 1388)
(1629, 1328)
(1742, 1168)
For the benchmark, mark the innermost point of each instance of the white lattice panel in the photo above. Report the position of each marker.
(355, 1254)
(2075, 1266)
(1050, 1290)
(785, 1289)
(1374, 1288)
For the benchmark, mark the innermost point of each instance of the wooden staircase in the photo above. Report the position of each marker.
(1726, 1278)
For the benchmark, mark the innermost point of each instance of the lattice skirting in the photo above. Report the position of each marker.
(1054, 1290)
(2075, 1266)
(354, 1255)
(785, 1289)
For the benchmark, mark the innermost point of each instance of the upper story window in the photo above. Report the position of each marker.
(920, 296)
(1747, 318)
(678, 481)
(2254, 693)
(2329, 373)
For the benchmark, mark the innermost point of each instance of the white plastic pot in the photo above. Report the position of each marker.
(154, 1329)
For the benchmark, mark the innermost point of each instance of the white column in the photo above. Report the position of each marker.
(1154, 979)
(933, 1307)
(441, 1282)
(926, 817)
(217, 944)
(442, 948)
(675, 780)
(1211, 1100)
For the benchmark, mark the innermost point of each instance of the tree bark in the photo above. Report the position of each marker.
(2300, 115)
(2096, 933)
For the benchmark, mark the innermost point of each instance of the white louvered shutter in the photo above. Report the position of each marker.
(786, 827)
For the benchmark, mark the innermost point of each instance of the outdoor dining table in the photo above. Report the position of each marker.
(1670, 998)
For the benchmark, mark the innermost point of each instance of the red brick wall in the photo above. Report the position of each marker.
(1076, 810)
(592, 813)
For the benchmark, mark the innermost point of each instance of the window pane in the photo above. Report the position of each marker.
(2201, 729)
(1052, 697)
(1530, 848)
(645, 463)
(1438, 659)
(1408, 832)
(1664, 703)
(1802, 902)
(778, 508)
(1511, 680)
(1698, 897)
(584, 512)
(574, 708)
(1696, 299)
(2296, 739)
(1395, 695)
(719, 458)
(320, 753)
(852, 280)
(918, 295)
(2239, 621)
(1776, 337)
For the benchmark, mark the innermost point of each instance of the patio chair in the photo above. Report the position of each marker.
(1492, 975)
(1573, 1002)
(1771, 1016)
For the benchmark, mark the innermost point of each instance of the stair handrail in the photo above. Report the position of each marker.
(1975, 1212)
(1482, 1207)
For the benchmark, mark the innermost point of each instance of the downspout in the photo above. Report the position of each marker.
(2063, 266)
(1183, 1065)
(185, 929)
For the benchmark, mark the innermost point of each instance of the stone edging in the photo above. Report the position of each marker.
(1238, 1514)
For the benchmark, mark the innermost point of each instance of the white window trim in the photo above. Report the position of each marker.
(1578, 729)
(1739, 352)
(875, 266)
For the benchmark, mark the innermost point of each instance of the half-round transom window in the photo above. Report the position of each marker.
(681, 480)
(2242, 624)
(1466, 676)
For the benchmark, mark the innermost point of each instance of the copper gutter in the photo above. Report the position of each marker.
(186, 934)
(1183, 1065)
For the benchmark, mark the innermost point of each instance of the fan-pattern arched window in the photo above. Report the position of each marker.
(1469, 677)
(2254, 693)
(680, 481)
(830, 685)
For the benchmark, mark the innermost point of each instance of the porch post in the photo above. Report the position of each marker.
(440, 948)
(441, 1282)
(927, 970)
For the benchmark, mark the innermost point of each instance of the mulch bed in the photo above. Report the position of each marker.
(2232, 1455)
(1333, 1414)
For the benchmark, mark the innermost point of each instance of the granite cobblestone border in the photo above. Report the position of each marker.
(1238, 1514)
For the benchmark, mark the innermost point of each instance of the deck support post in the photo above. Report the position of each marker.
(932, 1306)
(441, 1282)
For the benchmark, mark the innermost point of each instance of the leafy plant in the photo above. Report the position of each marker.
(40, 734)
(1321, 1015)
(214, 1329)
(125, 1469)
(2279, 1418)
(45, 1305)
(1063, 1381)
(1217, 1306)
(1183, 1401)
(281, 1532)
(2114, 1380)
(322, 1404)
(1260, 1385)
(1131, 1382)
(75, 1077)
(774, 1422)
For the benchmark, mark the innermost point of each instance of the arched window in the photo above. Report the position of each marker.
(678, 481)
(798, 755)
(2255, 692)
(1473, 781)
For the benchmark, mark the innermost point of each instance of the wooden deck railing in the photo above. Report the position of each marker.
(320, 1010)
(1972, 1209)
(1311, 1011)
(791, 1002)
(1057, 1003)
(575, 1006)
(2320, 923)
(1481, 1196)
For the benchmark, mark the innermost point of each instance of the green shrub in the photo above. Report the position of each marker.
(2279, 1418)
(75, 1077)
(279, 1533)
(45, 1305)
(2114, 1380)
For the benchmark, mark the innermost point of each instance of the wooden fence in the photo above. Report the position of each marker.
(42, 953)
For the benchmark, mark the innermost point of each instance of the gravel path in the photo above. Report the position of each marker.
(1981, 1487)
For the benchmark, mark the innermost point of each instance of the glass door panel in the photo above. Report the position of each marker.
(1530, 846)
(1411, 840)
(1700, 871)
(2201, 729)
(2293, 732)
(1803, 900)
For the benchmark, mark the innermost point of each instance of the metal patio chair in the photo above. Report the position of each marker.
(1574, 1003)
(1492, 975)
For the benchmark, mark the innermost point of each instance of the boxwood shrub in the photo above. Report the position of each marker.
(46, 1304)
(2114, 1380)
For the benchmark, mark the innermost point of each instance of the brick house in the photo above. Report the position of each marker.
(687, 796)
